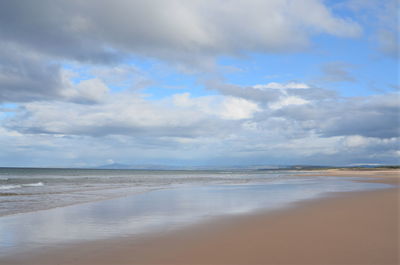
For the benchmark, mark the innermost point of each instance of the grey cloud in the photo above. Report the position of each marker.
(381, 125)
(388, 41)
(48, 27)
(337, 72)
(249, 92)
(25, 77)
(302, 113)
(371, 150)
(388, 28)
(325, 113)
(267, 94)
(394, 87)
(179, 30)
(313, 93)
(373, 116)
(377, 116)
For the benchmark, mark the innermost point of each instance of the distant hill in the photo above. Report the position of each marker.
(114, 166)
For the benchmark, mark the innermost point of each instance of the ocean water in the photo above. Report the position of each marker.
(32, 189)
(101, 204)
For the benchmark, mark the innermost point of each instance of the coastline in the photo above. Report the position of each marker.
(387, 176)
(343, 228)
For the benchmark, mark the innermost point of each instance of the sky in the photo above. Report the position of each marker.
(199, 82)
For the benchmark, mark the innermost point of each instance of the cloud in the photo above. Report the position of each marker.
(264, 121)
(288, 101)
(121, 77)
(387, 32)
(25, 76)
(381, 18)
(337, 72)
(195, 31)
(249, 92)
(373, 116)
(37, 38)
(130, 114)
(314, 109)
(51, 28)
(229, 108)
(376, 116)
(86, 91)
(388, 41)
(302, 124)
(272, 93)
(88, 85)
(274, 85)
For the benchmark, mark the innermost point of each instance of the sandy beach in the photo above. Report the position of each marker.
(344, 228)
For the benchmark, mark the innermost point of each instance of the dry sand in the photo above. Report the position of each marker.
(346, 228)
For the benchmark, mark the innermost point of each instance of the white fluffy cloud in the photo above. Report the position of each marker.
(230, 108)
(92, 90)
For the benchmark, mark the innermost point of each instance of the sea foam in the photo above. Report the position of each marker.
(9, 187)
(13, 186)
(39, 184)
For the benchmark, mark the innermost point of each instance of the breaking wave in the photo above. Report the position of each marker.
(12, 186)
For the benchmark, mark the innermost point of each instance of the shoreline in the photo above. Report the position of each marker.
(388, 176)
(335, 172)
(342, 228)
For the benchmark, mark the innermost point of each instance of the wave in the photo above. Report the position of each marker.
(38, 184)
(11, 186)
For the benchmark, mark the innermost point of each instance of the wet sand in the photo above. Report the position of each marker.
(344, 228)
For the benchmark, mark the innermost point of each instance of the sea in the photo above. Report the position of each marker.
(32, 189)
(47, 207)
